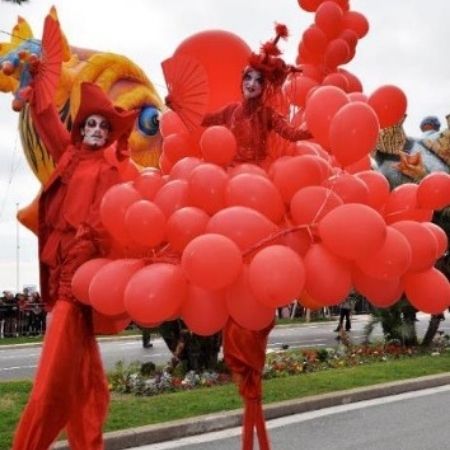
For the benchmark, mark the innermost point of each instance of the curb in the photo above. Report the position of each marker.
(151, 434)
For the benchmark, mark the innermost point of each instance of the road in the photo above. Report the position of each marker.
(20, 362)
(413, 421)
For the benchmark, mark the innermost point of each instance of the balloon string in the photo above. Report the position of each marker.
(274, 236)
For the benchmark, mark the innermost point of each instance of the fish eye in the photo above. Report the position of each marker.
(148, 121)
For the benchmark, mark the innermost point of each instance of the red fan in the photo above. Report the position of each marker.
(48, 72)
(187, 83)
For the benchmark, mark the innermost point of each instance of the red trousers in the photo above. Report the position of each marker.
(70, 390)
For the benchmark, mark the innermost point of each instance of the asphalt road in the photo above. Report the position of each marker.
(413, 421)
(20, 362)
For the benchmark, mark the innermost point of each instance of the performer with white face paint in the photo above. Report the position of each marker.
(252, 120)
(95, 131)
(70, 389)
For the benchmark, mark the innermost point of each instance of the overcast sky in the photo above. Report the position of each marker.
(407, 45)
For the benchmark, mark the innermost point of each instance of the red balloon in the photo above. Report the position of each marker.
(113, 207)
(300, 241)
(182, 169)
(165, 164)
(83, 277)
(349, 188)
(381, 293)
(218, 145)
(223, 55)
(204, 312)
(358, 97)
(106, 290)
(308, 302)
(428, 291)
(155, 293)
(378, 187)
(108, 325)
(310, 204)
(207, 184)
(352, 231)
(353, 132)
(357, 22)
(172, 196)
(329, 18)
(402, 205)
(148, 183)
(354, 85)
(246, 168)
(350, 37)
(307, 56)
(320, 109)
(211, 261)
(392, 260)
(434, 191)
(257, 192)
(363, 164)
(389, 103)
(337, 53)
(441, 237)
(244, 226)
(145, 223)
(243, 307)
(423, 244)
(309, 5)
(315, 39)
(328, 278)
(177, 146)
(184, 225)
(336, 79)
(312, 71)
(276, 275)
(170, 123)
(298, 87)
(295, 173)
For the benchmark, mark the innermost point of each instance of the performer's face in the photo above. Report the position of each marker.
(95, 131)
(252, 84)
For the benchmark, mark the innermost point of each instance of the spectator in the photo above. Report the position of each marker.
(345, 312)
(11, 314)
(146, 335)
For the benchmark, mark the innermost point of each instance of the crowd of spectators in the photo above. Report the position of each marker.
(21, 314)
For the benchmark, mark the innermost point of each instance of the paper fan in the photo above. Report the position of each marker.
(187, 83)
(47, 77)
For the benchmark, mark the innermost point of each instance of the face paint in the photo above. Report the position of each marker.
(95, 131)
(252, 84)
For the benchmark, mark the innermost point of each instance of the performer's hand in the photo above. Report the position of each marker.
(411, 165)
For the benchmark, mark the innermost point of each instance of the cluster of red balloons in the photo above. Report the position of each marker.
(327, 44)
(205, 242)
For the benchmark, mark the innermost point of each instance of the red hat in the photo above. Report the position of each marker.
(93, 100)
(268, 62)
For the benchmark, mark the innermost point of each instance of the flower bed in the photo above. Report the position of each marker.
(141, 379)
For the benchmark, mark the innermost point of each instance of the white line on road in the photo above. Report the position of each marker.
(18, 367)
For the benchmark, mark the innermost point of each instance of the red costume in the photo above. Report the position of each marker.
(70, 388)
(251, 122)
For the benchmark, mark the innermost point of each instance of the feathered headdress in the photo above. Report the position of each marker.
(268, 60)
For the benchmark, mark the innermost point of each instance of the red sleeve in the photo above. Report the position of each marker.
(285, 130)
(51, 131)
(92, 228)
(220, 117)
